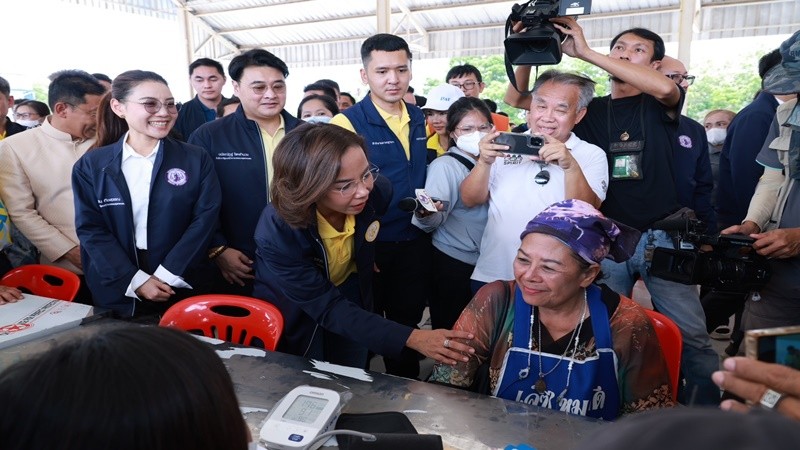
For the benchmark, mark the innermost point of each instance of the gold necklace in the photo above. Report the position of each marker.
(624, 136)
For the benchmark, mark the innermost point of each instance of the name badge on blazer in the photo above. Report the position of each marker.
(111, 201)
(372, 231)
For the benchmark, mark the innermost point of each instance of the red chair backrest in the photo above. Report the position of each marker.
(233, 318)
(669, 336)
(43, 280)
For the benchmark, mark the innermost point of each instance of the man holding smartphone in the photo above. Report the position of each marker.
(517, 187)
(637, 126)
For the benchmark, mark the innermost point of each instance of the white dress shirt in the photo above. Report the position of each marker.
(138, 172)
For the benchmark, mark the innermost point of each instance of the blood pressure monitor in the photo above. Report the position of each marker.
(299, 417)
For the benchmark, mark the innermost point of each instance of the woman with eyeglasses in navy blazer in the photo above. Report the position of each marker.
(146, 205)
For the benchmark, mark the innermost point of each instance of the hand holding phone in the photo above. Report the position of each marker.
(780, 345)
(520, 143)
(757, 383)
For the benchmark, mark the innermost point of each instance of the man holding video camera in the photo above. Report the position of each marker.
(773, 218)
(518, 186)
(637, 125)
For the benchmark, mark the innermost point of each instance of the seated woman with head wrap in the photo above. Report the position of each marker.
(551, 337)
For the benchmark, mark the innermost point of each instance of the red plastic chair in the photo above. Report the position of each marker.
(233, 318)
(669, 336)
(43, 280)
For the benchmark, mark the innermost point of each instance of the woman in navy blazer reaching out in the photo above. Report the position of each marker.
(145, 205)
(315, 254)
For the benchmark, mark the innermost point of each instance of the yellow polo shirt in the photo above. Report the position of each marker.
(270, 142)
(398, 124)
(340, 247)
(433, 144)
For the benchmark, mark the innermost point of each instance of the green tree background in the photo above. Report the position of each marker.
(40, 92)
(729, 86)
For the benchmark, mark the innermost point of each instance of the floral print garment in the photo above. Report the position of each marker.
(642, 371)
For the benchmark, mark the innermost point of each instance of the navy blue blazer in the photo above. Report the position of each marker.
(738, 170)
(237, 149)
(190, 117)
(292, 274)
(184, 205)
(693, 178)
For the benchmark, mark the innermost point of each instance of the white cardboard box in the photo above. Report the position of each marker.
(34, 317)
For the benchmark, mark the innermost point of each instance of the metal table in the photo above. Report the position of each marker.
(464, 420)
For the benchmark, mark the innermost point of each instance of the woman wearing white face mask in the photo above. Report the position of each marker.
(457, 230)
(31, 113)
(317, 108)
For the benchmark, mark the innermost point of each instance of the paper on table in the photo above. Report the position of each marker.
(34, 317)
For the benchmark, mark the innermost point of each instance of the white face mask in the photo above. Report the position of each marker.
(29, 123)
(318, 119)
(716, 136)
(469, 142)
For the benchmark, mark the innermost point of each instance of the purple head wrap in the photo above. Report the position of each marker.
(586, 231)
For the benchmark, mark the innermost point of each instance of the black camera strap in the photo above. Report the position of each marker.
(467, 163)
(510, 70)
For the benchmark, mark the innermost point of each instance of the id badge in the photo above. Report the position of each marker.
(626, 160)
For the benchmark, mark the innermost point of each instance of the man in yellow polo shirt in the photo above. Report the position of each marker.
(241, 145)
(396, 144)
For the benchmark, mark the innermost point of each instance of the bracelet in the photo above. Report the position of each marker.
(216, 251)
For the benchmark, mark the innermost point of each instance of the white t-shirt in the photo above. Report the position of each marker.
(514, 199)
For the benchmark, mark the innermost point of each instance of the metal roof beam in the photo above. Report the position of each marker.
(247, 8)
(181, 5)
(400, 10)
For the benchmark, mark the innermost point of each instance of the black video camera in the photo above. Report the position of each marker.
(520, 143)
(731, 266)
(540, 42)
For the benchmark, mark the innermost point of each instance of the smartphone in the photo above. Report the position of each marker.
(779, 345)
(520, 144)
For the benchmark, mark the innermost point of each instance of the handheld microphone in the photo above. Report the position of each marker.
(679, 224)
(409, 204)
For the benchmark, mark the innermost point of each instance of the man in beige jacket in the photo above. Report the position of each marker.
(36, 168)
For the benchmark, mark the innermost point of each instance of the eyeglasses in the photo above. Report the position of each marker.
(154, 106)
(678, 78)
(261, 89)
(464, 85)
(88, 113)
(26, 116)
(543, 177)
(349, 188)
(483, 128)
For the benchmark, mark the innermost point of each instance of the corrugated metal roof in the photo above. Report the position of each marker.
(324, 32)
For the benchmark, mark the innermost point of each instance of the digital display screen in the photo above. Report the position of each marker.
(782, 349)
(305, 409)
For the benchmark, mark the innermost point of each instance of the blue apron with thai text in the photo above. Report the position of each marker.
(593, 388)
